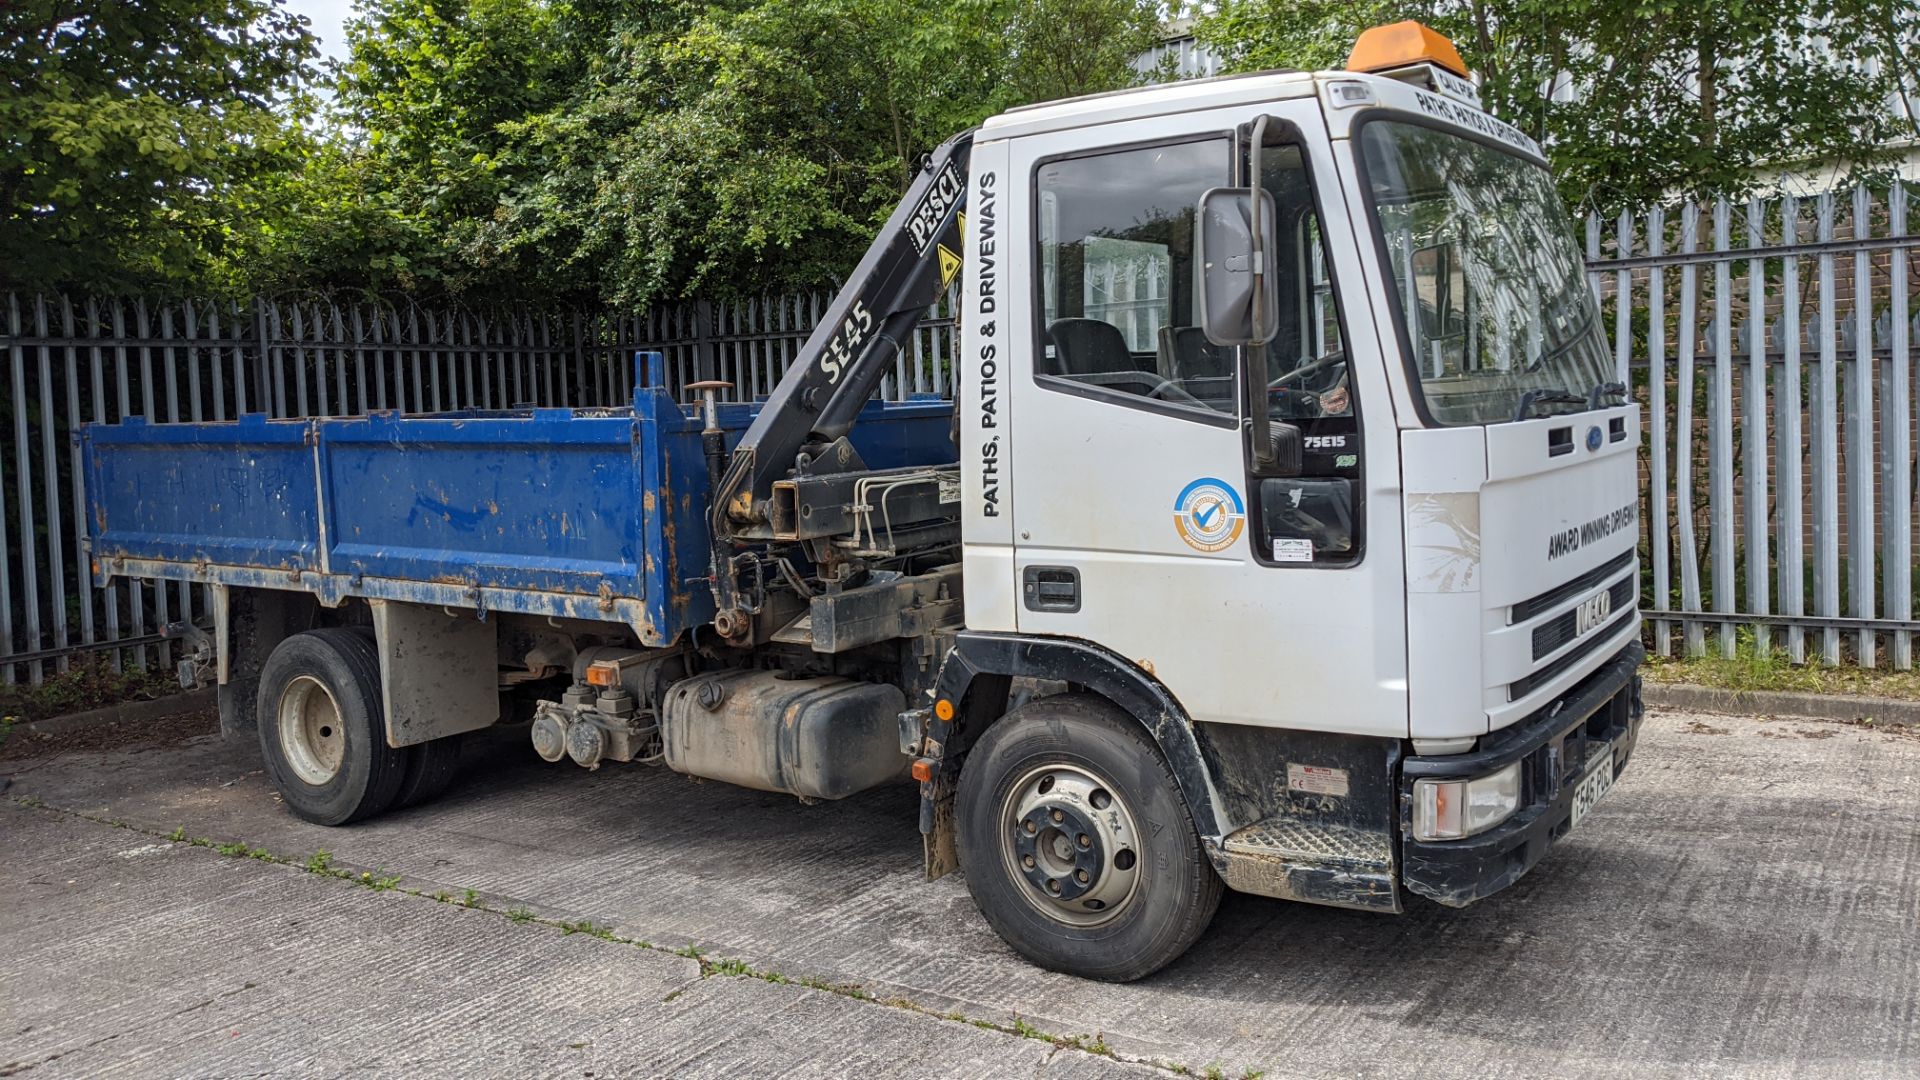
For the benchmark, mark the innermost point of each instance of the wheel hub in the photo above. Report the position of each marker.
(311, 731)
(1072, 842)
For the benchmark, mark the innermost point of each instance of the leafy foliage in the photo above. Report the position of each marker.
(139, 138)
(672, 148)
(1639, 99)
(628, 151)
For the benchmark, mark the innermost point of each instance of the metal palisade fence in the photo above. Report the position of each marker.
(1771, 342)
(72, 360)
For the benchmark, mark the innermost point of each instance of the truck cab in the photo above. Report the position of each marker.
(1280, 537)
(1405, 642)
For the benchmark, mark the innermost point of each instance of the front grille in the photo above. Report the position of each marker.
(1523, 686)
(1553, 633)
(1527, 609)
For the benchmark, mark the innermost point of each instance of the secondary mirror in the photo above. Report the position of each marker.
(1228, 270)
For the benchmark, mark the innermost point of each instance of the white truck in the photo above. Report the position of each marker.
(1283, 539)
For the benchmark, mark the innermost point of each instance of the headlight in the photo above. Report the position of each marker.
(1453, 809)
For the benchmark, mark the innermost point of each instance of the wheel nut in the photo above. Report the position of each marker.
(1053, 886)
(1086, 841)
(1057, 816)
(1031, 828)
(1080, 876)
(1026, 861)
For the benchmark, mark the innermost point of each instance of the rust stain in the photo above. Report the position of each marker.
(646, 502)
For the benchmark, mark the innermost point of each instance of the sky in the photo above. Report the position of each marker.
(329, 18)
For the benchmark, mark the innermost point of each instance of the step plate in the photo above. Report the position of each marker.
(1320, 864)
(1290, 838)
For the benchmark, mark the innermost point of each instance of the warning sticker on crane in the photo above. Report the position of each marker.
(949, 265)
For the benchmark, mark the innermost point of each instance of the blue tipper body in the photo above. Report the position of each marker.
(584, 513)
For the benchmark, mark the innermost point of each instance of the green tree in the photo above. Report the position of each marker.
(753, 148)
(139, 138)
(1065, 48)
(599, 150)
(1654, 96)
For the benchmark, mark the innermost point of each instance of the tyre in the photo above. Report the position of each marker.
(431, 766)
(1077, 846)
(323, 731)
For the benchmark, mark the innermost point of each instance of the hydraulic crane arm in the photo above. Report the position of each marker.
(849, 352)
(902, 274)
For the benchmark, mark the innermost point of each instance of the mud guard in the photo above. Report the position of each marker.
(976, 655)
(1330, 846)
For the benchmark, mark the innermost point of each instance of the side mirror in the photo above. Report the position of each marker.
(1286, 456)
(1229, 260)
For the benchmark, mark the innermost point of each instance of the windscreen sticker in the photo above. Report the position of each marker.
(1209, 515)
(1468, 117)
(1292, 549)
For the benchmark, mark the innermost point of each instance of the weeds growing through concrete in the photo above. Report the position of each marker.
(321, 864)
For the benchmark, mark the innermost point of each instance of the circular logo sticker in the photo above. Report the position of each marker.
(1209, 514)
(1594, 438)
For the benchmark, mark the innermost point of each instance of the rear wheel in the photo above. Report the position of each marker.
(431, 766)
(323, 733)
(1077, 845)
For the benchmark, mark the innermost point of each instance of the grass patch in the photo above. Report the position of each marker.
(321, 863)
(1748, 669)
(587, 927)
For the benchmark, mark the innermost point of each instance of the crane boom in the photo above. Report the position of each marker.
(902, 274)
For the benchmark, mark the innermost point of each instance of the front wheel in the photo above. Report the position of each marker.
(1077, 846)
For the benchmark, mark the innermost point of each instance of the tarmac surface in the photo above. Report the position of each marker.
(1746, 901)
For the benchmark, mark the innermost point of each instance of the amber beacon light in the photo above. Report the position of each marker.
(1404, 44)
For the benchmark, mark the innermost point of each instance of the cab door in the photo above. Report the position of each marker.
(1136, 523)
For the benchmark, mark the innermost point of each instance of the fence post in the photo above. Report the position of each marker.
(1720, 428)
(1790, 512)
(1658, 535)
(1683, 434)
(703, 358)
(1862, 552)
(1826, 454)
(1899, 446)
(1754, 429)
(263, 364)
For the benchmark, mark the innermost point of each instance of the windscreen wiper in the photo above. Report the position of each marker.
(1545, 396)
(1603, 390)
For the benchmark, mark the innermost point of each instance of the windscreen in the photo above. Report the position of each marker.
(1493, 294)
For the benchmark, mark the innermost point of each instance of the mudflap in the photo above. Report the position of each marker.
(937, 836)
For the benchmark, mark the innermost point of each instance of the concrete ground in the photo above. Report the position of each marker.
(1745, 902)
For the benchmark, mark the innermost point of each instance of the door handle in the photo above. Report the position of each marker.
(1051, 588)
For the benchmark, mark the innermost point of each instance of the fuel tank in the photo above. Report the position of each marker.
(818, 737)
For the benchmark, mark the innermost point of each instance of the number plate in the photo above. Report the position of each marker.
(1597, 782)
(1592, 612)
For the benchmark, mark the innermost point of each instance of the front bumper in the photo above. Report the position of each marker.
(1555, 745)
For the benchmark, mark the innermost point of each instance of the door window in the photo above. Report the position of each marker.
(1115, 245)
(1312, 519)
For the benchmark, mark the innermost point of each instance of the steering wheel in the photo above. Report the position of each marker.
(1157, 387)
(1332, 359)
